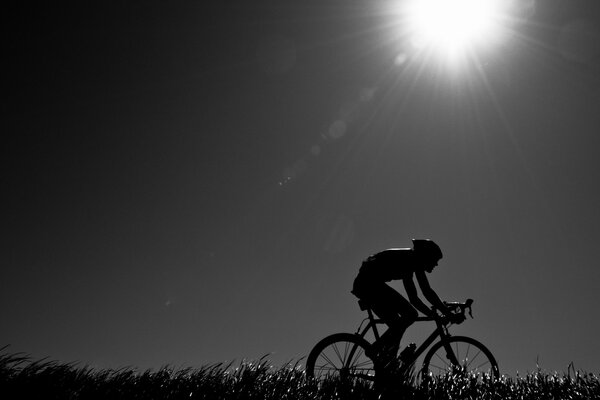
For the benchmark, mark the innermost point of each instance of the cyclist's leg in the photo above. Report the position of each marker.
(396, 312)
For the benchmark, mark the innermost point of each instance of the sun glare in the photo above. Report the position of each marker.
(452, 27)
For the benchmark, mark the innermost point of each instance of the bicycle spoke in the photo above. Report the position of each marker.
(442, 360)
(337, 352)
(363, 363)
(341, 355)
(482, 364)
(357, 355)
(345, 359)
(325, 367)
(474, 358)
(328, 360)
(362, 368)
(332, 360)
(346, 345)
(441, 369)
(467, 352)
(457, 355)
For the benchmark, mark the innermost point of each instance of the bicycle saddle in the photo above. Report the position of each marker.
(363, 305)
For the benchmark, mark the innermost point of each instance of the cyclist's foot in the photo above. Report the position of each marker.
(391, 364)
(381, 359)
(388, 355)
(385, 361)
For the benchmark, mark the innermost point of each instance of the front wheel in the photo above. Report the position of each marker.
(342, 355)
(460, 353)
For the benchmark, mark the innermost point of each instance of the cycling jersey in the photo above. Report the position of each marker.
(388, 265)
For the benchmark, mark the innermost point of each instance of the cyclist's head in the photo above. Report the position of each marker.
(428, 253)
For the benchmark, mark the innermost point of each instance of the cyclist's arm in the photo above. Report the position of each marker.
(429, 293)
(414, 299)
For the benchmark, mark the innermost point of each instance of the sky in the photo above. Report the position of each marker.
(195, 183)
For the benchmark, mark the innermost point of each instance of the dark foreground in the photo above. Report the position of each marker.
(22, 378)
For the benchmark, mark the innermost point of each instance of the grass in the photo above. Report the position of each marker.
(23, 378)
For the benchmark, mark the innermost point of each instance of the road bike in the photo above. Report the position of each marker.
(351, 356)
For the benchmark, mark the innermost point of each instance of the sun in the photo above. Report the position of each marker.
(452, 27)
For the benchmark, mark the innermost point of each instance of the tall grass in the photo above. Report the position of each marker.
(23, 378)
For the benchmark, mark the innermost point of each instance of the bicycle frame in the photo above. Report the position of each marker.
(440, 331)
(355, 357)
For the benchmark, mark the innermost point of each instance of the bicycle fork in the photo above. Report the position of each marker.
(450, 355)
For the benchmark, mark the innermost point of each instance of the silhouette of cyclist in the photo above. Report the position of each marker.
(389, 305)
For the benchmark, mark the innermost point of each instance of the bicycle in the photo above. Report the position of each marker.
(351, 356)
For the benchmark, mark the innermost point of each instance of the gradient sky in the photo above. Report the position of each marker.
(192, 183)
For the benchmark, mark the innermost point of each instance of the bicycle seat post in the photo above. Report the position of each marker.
(364, 306)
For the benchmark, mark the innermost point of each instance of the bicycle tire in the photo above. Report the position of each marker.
(472, 357)
(341, 355)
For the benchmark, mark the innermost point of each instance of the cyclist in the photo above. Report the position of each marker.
(389, 305)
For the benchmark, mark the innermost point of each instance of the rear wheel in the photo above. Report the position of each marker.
(343, 356)
(460, 353)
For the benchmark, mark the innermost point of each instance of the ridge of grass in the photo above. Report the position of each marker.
(23, 378)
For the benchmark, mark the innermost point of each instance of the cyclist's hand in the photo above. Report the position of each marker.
(455, 318)
(442, 318)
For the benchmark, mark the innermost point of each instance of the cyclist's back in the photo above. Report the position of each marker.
(388, 265)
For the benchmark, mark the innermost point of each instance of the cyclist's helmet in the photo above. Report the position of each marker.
(427, 248)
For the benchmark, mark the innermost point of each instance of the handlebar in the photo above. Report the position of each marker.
(458, 309)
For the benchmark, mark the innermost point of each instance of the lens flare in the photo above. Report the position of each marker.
(453, 26)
